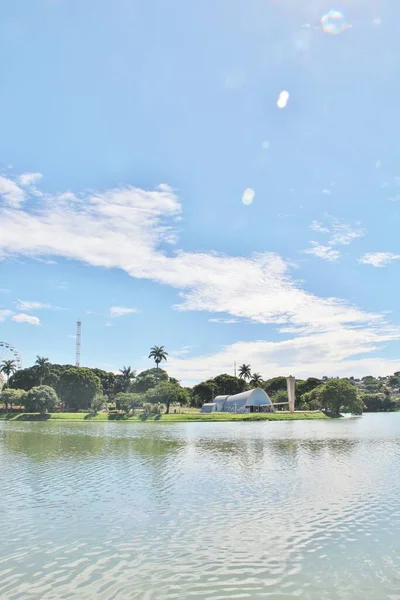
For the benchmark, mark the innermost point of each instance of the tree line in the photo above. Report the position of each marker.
(46, 386)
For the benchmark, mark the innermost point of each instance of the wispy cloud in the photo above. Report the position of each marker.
(341, 233)
(29, 305)
(324, 252)
(378, 259)
(121, 311)
(23, 318)
(11, 193)
(126, 228)
(5, 313)
(27, 179)
(222, 320)
(5, 291)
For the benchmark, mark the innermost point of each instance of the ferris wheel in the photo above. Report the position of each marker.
(9, 352)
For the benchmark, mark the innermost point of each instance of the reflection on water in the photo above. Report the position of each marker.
(201, 510)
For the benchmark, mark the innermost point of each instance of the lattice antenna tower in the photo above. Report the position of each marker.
(78, 343)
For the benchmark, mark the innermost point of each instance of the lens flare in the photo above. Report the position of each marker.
(248, 196)
(283, 99)
(334, 22)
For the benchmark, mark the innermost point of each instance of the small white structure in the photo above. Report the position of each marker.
(246, 402)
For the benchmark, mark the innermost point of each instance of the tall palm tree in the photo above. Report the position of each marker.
(256, 379)
(127, 375)
(244, 372)
(43, 365)
(158, 353)
(8, 367)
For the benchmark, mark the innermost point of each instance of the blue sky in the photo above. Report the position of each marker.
(151, 186)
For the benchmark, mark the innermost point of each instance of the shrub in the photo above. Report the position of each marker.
(41, 398)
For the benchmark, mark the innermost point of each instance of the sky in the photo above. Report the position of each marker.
(221, 178)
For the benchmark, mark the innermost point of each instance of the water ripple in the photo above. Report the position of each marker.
(213, 511)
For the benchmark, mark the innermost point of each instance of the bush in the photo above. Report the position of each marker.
(126, 400)
(40, 399)
(98, 403)
(153, 409)
(9, 397)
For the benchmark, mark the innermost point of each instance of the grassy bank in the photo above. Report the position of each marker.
(172, 418)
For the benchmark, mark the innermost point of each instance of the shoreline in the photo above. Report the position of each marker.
(171, 418)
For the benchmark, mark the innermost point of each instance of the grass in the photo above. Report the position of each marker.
(172, 418)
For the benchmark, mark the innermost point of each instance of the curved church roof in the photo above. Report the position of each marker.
(238, 402)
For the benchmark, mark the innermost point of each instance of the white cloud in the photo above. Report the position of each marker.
(226, 321)
(324, 252)
(319, 227)
(27, 179)
(29, 305)
(4, 291)
(4, 314)
(341, 233)
(378, 259)
(22, 318)
(12, 194)
(126, 228)
(337, 353)
(283, 99)
(248, 196)
(120, 311)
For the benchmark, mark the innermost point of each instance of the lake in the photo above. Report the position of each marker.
(213, 511)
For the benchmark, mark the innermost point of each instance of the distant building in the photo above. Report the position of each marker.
(252, 401)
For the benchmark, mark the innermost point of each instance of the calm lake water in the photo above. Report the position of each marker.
(201, 510)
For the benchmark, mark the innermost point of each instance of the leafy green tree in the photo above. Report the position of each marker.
(24, 379)
(8, 367)
(78, 387)
(394, 380)
(127, 375)
(98, 403)
(40, 399)
(279, 397)
(9, 397)
(43, 366)
(127, 400)
(148, 379)
(256, 379)
(304, 386)
(372, 402)
(311, 400)
(158, 353)
(244, 371)
(340, 395)
(229, 385)
(167, 393)
(203, 392)
(371, 384)
(271, 386)
(107, 382)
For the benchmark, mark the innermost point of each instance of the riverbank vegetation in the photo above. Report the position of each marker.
(183, 417)
(46, 387)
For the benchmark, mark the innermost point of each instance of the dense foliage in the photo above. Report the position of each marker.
(41, 399)
(95, 389)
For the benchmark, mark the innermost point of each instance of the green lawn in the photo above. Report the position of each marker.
(172, 418)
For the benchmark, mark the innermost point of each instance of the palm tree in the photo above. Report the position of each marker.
(244, 372)
(43, 365)
(127, 374)
(8, 367)
(158, 353)
(256, 379)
